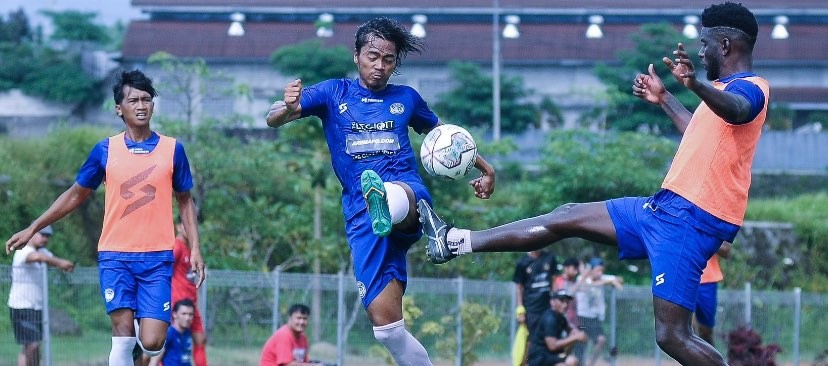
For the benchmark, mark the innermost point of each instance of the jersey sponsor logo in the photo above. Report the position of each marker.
(148, 189)
(361, 289)
(371, 143)
(397, 108)
(109, 294)
(343, 107)
(372, 100)
(377, 126)
(659, 279)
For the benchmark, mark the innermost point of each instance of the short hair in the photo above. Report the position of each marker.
(389, 30)
(571, 262)
(183, 302)
(135, 79)
(298, 308)
(731, 15)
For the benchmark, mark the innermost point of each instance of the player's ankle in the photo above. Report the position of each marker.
(459, 239)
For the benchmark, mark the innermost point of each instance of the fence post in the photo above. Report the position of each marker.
(513, 315)
(276, 289)
(340, 319)
(748, 315)
(613, 345)
(797, 320)
(459, 355)
(202, 302)
(47, 335)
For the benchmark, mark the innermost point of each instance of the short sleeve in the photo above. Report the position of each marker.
(182, 176)
(91, 174)
(750, 91)
(315, 98)
(423, 118)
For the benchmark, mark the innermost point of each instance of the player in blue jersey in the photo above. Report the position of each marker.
(366, 121)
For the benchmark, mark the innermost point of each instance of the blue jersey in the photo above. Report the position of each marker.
(368, 130)
(747, 89)
(178, 348)
(93, 172)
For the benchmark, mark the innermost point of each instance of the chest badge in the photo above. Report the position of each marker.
(397, 108)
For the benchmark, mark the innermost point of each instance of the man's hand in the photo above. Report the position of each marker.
(649, 86)
(292, 93)
(65, 265)
(483, 186)
(197, 264)
(579, 335)
(19, 240)
(682, 67)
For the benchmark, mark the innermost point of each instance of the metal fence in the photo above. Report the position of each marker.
(241, 310)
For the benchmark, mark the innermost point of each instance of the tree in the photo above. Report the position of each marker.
(16, 29)
(313, 62)
(624, 111)
(469, 103)
(76, 26)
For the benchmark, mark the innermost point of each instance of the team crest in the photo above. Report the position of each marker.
(361, 289)
(109, 294)
(397, 108)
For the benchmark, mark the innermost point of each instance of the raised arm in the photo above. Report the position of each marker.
(650, 88)
(288, 109)
(67, 202)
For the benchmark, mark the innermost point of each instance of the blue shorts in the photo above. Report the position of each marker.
(379, 260)
(677, 236)
(143, 286)
(706, 304)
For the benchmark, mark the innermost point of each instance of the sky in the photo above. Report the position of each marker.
(109, 11)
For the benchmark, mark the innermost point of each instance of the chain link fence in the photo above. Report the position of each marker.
(241, 309)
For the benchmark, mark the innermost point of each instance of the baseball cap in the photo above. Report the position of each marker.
(561, 295)
(595, 262)
(46, 230)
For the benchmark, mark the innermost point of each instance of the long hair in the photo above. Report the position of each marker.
(389, 30)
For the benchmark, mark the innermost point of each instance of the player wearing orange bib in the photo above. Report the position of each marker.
(703, 198)
(142, 171)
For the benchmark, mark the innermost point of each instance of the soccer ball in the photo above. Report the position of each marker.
(448, 151)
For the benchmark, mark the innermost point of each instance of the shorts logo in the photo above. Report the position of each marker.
(167, 306)
(361, 289)
(109, 294)
(148, 189)
(397, 108)
(659, 279)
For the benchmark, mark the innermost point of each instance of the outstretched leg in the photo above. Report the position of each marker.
(590, 221)
(675, 336)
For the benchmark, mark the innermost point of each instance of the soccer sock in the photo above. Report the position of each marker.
(404, 348)
(121, 352)
(200, 355)
(397, 201)
(460, 237)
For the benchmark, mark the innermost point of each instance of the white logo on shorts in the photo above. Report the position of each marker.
(361, 289)
(659, 279)
(109, 294)
(167, 306)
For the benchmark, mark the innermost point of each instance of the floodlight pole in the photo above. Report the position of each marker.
(496, 71)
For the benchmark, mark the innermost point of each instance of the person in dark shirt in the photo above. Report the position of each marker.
(551, 342)
(533, 280)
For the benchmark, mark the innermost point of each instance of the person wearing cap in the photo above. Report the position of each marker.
(570, 281)
(592, 308)
(26, 294)
(552, 341)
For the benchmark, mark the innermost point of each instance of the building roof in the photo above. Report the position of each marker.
(538, 43)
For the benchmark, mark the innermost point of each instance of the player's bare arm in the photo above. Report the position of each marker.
(287, 109)
(483, 185)
(186, 208)
(731, 107)
(650, 88)
(67, 202)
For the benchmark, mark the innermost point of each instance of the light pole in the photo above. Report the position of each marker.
(496, 71)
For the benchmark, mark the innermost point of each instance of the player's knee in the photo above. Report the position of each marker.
(152, 350)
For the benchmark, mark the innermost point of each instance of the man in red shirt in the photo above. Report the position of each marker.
(183, 287)
(288, 346)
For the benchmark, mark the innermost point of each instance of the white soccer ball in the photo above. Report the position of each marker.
(448, 151)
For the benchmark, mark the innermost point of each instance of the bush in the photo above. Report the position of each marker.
(744, 348)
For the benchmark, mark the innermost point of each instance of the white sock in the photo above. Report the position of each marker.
(461, 238)
(397, 201)
(121, 352)
(404, 348)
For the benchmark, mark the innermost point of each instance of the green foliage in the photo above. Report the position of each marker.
(810, 218)
(469, 102)
(623, 110)
(76, 26)
(54, 74)
(312, 62)
(479, 321)
(780, 116)
(581, 166)
(16, 29)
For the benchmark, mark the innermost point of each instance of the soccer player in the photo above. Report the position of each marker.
(142, 170)
(366, 123)
(178, 347)
(703, 197)
(184, 288)
(707, 297)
